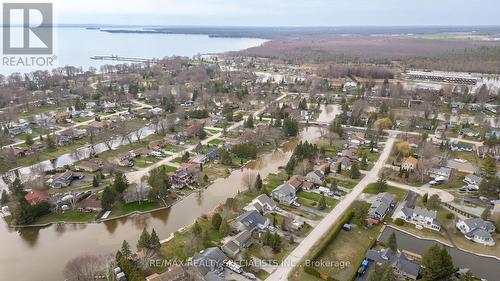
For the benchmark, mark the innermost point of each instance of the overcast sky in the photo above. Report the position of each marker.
(278, 12)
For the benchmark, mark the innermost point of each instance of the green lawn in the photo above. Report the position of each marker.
(80, 119)
(399, 193)
(176, 247)
(315, 197)
(143, 162)
(169, 169)
(68, 216)
(215, 141)
(177, 160)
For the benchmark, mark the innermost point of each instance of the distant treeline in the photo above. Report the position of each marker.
(365, 71)
(439, 54)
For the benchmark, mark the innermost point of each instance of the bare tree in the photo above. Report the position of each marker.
(88, 267)
(248, 179)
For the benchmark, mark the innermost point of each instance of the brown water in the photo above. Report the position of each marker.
(40, 254)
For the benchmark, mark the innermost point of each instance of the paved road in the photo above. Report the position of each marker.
(136, 176)
(426, 188)
(299, 253)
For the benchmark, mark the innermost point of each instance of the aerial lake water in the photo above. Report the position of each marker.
(74, 46)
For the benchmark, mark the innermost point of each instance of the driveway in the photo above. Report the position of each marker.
(302, 250)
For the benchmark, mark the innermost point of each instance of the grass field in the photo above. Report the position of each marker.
(399, 193)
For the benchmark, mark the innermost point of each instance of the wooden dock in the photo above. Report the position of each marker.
(126, 59)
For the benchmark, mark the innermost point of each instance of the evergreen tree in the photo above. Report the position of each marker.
(389, 274)
(249, 122)
(224, 228)
(425, 198)
(216, 221)
(185, 156)
(355, 174)
(437, 264)
(392, 243)
(125, 250)
(290, 127)
(5, 197)
(28, 140)
(339, 168)
(364, 161)
(333, 185)
(197, 229)
(154, 241)
(95, 182)
(144, 240)
(160, 184)
(16, 188)
(108, 198)
(120, 183)
(258, 182)
(376, 273)
(490, 166)
(322, 203)
(225, 157)
(49, 141)
(276, 242)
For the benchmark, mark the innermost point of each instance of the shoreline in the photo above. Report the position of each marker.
(124, 215)
(438, 241)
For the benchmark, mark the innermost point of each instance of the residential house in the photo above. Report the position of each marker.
(173, 273)
(252, 220)
(469, 132)
(418, 216)
(199, 159)
(213, 154)
(442, 172)
(473, 180)
(125, 160)
(91, 165)
(380, 207)
(140, 152)
(345, 163)
(299, 183)
(489, 134)
(61, 117)
(210, 263)
(90, 204)
(284, 194)
(462, 166)
(182, 178)
(477, 230)
(262, 203)
(399, 262)
(61, 140)
(65, 179)
(21, 128)
(139, 193)
(241, 241)
(316, 177)
(35, 197)
(409, 163)
(189, 167)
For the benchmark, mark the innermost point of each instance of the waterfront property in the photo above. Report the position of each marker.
(477, 230)
(399, 262)
(418, 216)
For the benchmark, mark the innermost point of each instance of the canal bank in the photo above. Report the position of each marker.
(47, 249)
(481, 266)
